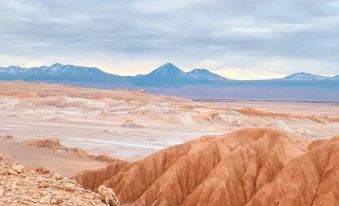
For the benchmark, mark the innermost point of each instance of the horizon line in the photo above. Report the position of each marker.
(199, 68)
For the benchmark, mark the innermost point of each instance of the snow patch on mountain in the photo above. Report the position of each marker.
(167, 70)
(305, 76)
(204, 75)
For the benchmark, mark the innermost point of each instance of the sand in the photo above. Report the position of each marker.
(64, 163)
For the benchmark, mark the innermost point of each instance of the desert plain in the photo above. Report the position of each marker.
(131, 124)
(139, 131)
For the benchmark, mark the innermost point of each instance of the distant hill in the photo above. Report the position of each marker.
(197, 84)
(59, 73)
(169, 74)
(306, 77)
(166, 74)
(204, 75)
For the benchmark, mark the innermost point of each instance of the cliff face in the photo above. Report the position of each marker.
(246, 167)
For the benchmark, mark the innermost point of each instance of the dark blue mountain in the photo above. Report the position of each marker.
(197, 84)
(59, 73)
(164, 75)
(169, 74)
(205, 75)
(303, 76)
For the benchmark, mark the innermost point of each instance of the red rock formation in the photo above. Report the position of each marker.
(310, 179)
(246, 167)
(93, 179)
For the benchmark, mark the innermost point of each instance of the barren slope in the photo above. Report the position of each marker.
(310, 179)
(67, 162)
(240, 168)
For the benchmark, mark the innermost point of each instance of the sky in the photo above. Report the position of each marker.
(240, 39)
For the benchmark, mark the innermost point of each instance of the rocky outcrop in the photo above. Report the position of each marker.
(50, 143)
(93, 179)
(21, 186)
(54, 144)
(104, 158)
(247, 167)
(107, 195)
(7, 137)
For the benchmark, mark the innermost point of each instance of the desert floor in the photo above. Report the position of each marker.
(130, 125)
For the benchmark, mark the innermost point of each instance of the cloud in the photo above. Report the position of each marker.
(139, 34)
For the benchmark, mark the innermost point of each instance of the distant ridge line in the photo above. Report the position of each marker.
(300, 76)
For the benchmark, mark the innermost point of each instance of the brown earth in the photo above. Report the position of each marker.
(54, 144)
(48, 154)
(253, 112)
(246, 167)
(30, 89)
(50, 143)
(22, 186)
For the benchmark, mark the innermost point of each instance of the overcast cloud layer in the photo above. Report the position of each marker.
(242, 39)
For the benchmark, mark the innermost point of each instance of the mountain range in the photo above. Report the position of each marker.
(198, 83)
(168, 74)
(303, 76)
(165, 74)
